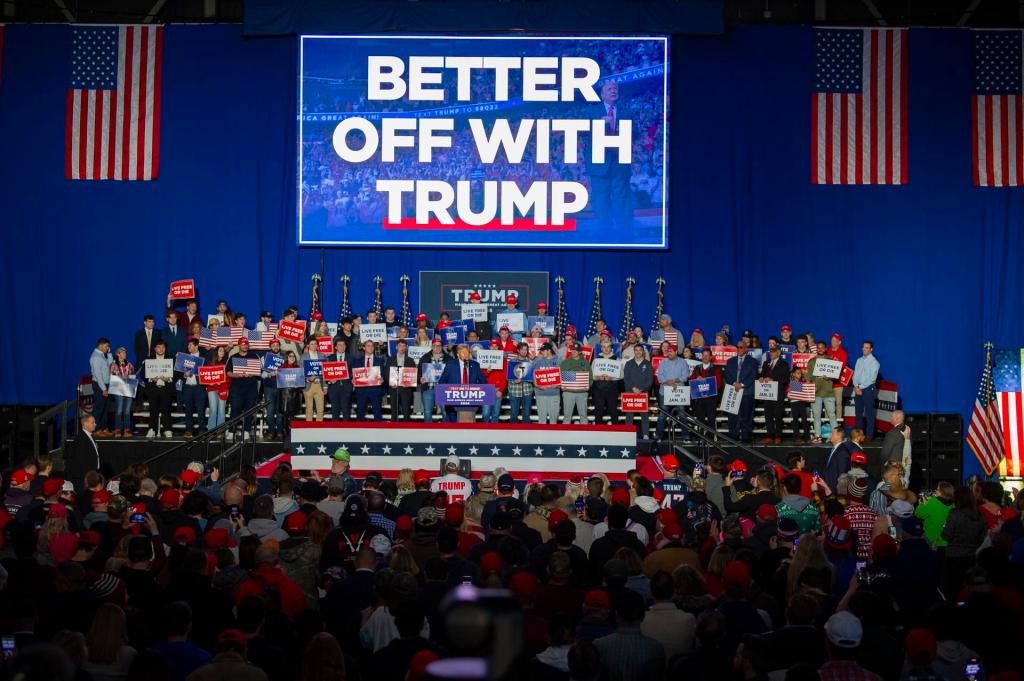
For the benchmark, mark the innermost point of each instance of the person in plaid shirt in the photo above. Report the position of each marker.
(520, 392)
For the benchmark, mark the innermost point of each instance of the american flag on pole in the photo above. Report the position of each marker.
(859, 107)
(246, 366)
(1007, 380)
(113, 104)
(801, 391)
(996, 118)
(575, 380)
(984, 434)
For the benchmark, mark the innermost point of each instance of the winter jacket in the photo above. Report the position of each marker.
(269, 582)
(264, 528)
(283, 507)
(300, 560)
(934, 513)
(965, 531)
(800, 509)
(714, 490)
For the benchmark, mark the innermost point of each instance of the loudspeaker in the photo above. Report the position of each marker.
(947, 429)
(920, 429)
(943, 466)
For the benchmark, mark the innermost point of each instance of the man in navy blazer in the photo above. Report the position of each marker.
(741, 372)
(373, 394)
(462, 370)
(176, 337)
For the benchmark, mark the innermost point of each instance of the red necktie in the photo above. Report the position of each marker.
(368, 361)
(611, 117)
(465, 373)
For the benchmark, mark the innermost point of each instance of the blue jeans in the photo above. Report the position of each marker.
(217, 407)
(520, 405)
(193, 399)
(99, 406)
(427, 395)
(490, 412)
(271, 398)
(864, 406)
(122, 413)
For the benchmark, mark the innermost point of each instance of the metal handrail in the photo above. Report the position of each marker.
(204, 440)
(57, 411)
(710, 438)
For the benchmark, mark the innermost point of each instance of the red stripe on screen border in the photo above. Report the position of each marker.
(518, 225)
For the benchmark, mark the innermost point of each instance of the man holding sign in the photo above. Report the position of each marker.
(368, 383)
(607, 371)
(431, 367)
(704, 408)
(244, 370)
(400, 393)
(193, 395)
(741, 372)
(775, 370)
(637, 379)
(160, 390)
(672, 371)
(823, 394)
(547, 396)
(339, 390)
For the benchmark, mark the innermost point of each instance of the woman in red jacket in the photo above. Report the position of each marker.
(498, 378)
(217, 395)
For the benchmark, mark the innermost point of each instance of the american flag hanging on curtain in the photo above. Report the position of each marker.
(112, 125)
(859, 107)
(984, 434)
(1008, 378)
(996, 117)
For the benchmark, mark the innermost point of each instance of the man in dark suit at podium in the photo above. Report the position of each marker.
(741, 372)
(461, 371)
(775, 369)
(610, 196)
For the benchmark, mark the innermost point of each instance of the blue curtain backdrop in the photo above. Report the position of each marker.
(929, 271)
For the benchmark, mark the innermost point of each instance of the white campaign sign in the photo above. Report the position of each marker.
(378, 333)
(159, 368)
(829, 368)
(513, 320)
(475, 311)
(766, 390)
(676, 396)
(417, 351)
(490, 359)
(731, 400)
(607, 367)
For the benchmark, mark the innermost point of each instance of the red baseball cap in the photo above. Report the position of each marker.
(184, 535)
(542, 305)
(490, 562)
(606, 333)
(523, 585)
(170, 498)
(570, 330)
(672, 346)
(838, 336)
(785, 327)
(101, 497)
(672, 531)
(859, 457)
(421, 476)
(295, 523)
(317, 316)
(89, 538)
(21, 476)
(403, 524)
(670, 462)
(57, 510)
(421, 317)
(737, 465)
(436, 341)
(697, 331)
(419, 662)
(621, 496)
(504, 328)
(231, 636)
(243, 341)
(557, 516)
(52, 487)
(189, 477)
(443, 324)
(454, 514)
(474, 297)
(884, 546)
(597, 598)
(659, 496)
(736, 572)
(766, 512)
(667, 516)
(922, 648)
(511, 299)
(219, 538)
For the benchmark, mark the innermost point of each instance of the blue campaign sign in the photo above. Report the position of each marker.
(546, 324)
(703, 387)
(272, 362)
(455, 395)
(453, 335)
(589, 200)
(186, 362)
(787, 353)
(393, 345)
(290, 378)
(520, 371)
(432, 371)
(313, 368)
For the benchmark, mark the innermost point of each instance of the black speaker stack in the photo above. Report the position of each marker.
(937, 448)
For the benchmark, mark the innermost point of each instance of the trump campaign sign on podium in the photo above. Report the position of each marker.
(483, 141)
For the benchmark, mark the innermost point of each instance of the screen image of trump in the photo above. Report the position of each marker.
(488, 141)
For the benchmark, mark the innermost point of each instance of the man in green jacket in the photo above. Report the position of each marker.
(574, 395)
(934, 512)
(798, 507)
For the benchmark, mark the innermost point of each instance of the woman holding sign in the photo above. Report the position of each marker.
(124, 370)
(291, 398)
(217, 395)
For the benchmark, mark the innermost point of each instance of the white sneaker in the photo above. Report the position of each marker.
(229, 436)
(168, 434)
(151, 434)
(246, 436)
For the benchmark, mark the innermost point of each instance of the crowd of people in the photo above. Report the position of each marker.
(646, 364)
(725, 572)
